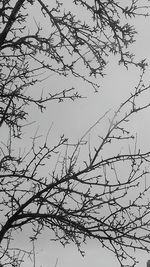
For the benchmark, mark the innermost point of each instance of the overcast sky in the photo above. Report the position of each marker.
(73, 119)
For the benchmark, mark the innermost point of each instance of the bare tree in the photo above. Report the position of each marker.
(84, 196)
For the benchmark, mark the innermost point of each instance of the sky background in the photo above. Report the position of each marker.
(73, 119)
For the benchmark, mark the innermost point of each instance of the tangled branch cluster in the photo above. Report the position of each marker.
(80, 198)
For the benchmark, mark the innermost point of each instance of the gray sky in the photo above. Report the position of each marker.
(73, 119)
(115, 87)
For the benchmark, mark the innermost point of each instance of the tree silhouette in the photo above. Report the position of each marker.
(84, 196)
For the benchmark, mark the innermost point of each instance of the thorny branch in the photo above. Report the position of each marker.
(77, 191)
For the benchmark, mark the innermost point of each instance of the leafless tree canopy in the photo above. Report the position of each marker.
(87, 194)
